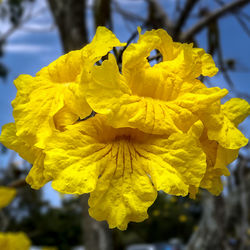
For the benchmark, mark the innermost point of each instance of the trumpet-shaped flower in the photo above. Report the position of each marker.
(55, 89)
(160, 99)
(122, 168)
(51, 100)
(218, 157)
(164, 98)
(14, 241)
(30, 153)
(7, 194)
(157, 127)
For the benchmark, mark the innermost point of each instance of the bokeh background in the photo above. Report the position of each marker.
(33, 33)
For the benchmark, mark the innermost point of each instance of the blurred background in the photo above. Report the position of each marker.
(33, 33)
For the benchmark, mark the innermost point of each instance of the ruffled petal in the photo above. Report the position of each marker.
(134, 60)
(10, 140)
(109, 94)
(117, 166)
(208, 66)
(222, 141)
(73, 159)
(103, 41)
(14, 241)
(221, 122)
(124, 191)
(179, 59)
(34, 118)
(36, 177)
(31, 154)
(7, 194)
(223, 158)
(236, 110)
(227, 134)
(212, 183)
(55, 87)
(174, 163)
(64, 117)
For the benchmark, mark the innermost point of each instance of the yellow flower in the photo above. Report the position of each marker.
(160, 99)
(14, 241)
(173, 199)
(49, 248)
(182, 218)
(157, 127)
(218, 157)
(156, 212)
(167, 98)
(7, 194)
(122, 168)
(55, 90)
(51, 100)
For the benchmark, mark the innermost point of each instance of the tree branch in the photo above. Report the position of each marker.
(190, 4)
(102, 13)
(69, 15)
(157, 17)
(13, 28)
(212, 17)
(126, 14)
(237, 15)
(18, 183)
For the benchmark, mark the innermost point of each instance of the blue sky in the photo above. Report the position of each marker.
(35, 45)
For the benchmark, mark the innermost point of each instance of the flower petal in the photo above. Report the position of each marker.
(36, 177)
(236, 110)
(117, 165)
(178, 59)
(14, 241)
(64, 117)
(221, 122)
(103, 41)
(30, 153)
(212, 183)
(7, 194)
(123, 192)
(10, 140)
(34, 118)
(208, 65)
(174, 163)
(226, 133)
(56, 86)
(72, 159)
(109, 94)
(223, 158)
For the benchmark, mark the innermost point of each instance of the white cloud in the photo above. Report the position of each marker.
(25, 48)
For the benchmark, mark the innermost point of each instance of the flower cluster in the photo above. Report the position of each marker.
(155, 127)
(7, 194)
(14, 241)
(11, 241)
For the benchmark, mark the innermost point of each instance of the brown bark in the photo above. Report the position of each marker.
(213, 16)
(96, 234)
(210, 232)
(69, 16)
(157, 17)
(102, 13)
(225, 217)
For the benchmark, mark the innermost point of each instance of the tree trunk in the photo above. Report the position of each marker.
(102, 13)
(211, 229)
(224, 223)
(69, 16)
(96, 235)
